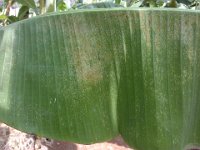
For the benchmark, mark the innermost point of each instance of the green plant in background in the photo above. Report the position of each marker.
(27, 7)
(6, 5)
(61, 6)
(38, 7)
(87, 76)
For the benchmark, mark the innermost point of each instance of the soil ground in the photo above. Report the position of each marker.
(11, 139)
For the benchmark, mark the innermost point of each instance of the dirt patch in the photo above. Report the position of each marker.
(11, 139)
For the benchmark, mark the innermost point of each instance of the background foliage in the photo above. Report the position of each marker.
(16, 10)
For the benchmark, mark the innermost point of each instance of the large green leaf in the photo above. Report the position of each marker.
(159, 102)
(86, 76)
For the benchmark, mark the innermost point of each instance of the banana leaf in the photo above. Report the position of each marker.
(87, 76)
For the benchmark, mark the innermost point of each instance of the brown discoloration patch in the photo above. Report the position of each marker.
(87, 68)
(89, 55)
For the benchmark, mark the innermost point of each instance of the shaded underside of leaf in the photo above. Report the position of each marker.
(84, 76)
(23, 12)
(29, 3)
